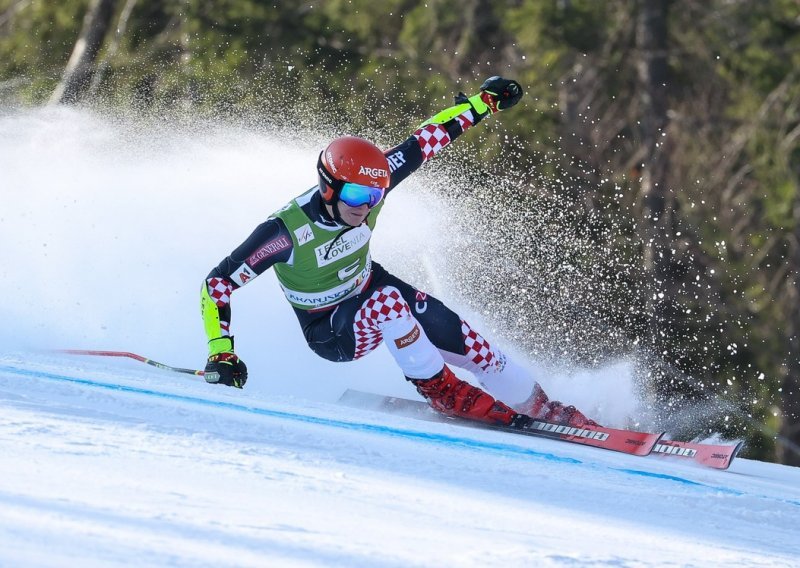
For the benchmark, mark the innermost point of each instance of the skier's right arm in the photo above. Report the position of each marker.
(436, 133)
(268, 244)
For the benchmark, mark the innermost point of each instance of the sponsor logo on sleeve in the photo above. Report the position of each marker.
(396, 160)
(421, 305)
(269, 249)
(408, 339)
(243, 275)
(304, 234)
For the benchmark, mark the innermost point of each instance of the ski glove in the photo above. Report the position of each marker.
(496, 94)
(224, 367)
(500, 94)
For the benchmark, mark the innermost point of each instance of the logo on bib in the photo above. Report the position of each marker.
(347, 272)
(342, 246)
(304, 234)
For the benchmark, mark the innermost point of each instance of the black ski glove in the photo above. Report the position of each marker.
(224, 367)
(505, 93)
(496, 94)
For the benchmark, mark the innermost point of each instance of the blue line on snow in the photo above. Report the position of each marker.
(385, 430)
(680, 480)
(359, 426)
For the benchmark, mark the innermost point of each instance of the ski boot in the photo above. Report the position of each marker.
(453, 397)
(540, 407)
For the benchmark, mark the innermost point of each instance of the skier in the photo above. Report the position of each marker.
(347, 304)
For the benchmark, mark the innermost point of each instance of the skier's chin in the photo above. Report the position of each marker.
(354, 218)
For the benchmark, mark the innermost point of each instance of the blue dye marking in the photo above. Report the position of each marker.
(358, 426)
(671, 478)
(443, 439)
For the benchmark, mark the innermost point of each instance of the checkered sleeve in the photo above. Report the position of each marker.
(432, 136)
(438, 131)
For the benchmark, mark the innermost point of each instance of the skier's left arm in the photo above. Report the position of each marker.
(440, 130)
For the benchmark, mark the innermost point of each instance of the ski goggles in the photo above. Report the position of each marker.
(353, 194)
(356, 195)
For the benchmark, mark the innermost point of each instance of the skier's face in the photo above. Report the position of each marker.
(353, 216)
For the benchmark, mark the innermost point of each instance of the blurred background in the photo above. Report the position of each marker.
(639, 205)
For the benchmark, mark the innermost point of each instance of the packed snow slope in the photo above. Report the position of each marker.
(107, 230)
(107, 464)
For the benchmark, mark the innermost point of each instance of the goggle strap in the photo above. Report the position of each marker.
(336, 184)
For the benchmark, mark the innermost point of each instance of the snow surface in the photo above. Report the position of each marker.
(107, 229)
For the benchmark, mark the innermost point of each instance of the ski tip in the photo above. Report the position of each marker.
(723, 462)
(735, 453)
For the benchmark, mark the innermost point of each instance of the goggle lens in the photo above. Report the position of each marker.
(356, 195)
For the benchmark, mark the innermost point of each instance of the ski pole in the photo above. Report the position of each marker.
(130, 356)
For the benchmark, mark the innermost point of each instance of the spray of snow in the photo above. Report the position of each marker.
(110, 225)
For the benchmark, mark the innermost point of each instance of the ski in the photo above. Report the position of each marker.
(625, 441)
(717, 456)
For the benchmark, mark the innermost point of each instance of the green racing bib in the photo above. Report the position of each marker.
(328, 264)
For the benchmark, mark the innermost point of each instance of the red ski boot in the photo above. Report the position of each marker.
(451, 396)
(540, 407)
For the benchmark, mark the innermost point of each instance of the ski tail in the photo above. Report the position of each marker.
(717, 456)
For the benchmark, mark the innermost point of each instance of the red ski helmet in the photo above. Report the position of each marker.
(352, 166)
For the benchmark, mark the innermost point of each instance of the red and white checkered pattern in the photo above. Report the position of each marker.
(431, 139)
(225, 327)
(220, 291)
(476, 348)
(383, 305)
(465, 120)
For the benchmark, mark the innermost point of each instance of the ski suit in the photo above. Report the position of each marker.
(344, 301)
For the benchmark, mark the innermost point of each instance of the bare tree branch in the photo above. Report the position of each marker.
(122, 25)
(12, 11)
(81, 63)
